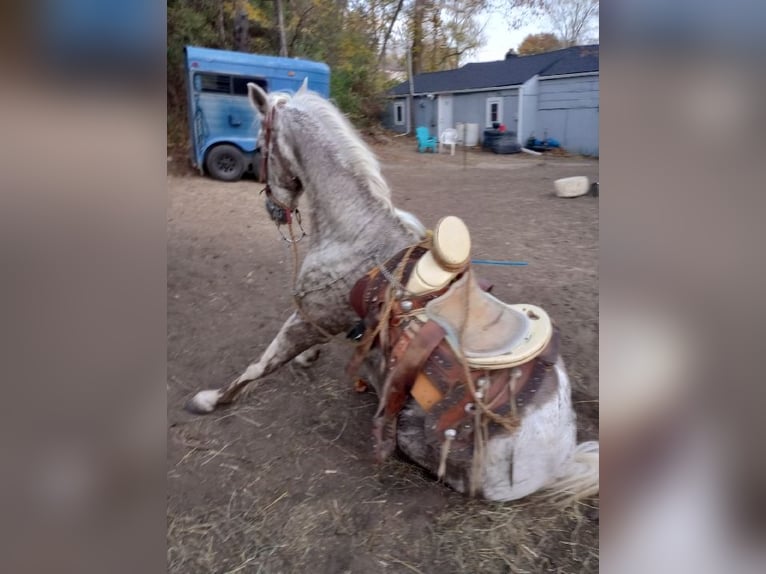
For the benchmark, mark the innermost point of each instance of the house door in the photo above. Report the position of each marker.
(444, 113)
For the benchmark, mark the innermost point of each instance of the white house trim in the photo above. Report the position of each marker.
(487, 111)
(409, 113)
(399, 106)
(580, 75)
(469, 91)
(520, 115)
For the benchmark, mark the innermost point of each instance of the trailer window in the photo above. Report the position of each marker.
(227, 84)
(216, 83)
(239, 84)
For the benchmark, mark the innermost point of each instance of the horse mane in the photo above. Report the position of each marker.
(356, 154)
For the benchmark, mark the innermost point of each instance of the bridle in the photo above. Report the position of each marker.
(264, 178)
(267, 126)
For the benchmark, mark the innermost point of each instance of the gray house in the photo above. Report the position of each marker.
(555, 95)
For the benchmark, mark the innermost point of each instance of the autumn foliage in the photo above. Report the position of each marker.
(539, 43)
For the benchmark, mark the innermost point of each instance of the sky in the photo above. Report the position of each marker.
(499, 37)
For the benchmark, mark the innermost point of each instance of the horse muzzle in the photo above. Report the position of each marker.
(277, 213)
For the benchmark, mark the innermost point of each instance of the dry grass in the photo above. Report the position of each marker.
(285, 480)
(230, 539)
(522, 537)
(253, 535)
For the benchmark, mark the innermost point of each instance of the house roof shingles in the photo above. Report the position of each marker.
(511, 72)
(577, 60)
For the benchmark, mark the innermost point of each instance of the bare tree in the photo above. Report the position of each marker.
(221, 29)
(391, 24)
(241, 28)
(572, 21)
(442, 32)
(416, 35)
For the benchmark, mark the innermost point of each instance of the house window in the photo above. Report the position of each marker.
(227, 84)
(399, 113)
(494, 111)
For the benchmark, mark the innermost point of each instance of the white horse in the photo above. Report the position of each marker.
(311, 150)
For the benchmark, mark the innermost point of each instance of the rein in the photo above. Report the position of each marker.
(366, 342)
(264, 178)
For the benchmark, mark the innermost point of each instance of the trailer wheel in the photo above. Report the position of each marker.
(225, 162)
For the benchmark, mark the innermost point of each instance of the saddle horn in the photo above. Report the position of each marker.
(448, 256)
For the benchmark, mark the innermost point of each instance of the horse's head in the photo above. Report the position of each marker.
(279, 168)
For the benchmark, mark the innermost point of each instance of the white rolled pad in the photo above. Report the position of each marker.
(450, 252)
(571, 186)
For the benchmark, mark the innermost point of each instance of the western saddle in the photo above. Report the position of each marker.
(472, 362)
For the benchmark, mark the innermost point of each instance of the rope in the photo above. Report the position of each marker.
(494, 262)
(388, 305)
(482, 414)
(448, 438)
(394, 282)
(446, 265)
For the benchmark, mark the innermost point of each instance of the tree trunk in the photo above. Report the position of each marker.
(281, 28)
(417, 36)
(221, 29)
(242, 40)
(382, 55)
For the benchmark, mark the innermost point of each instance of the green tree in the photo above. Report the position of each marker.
(358, 39)
(443, 32)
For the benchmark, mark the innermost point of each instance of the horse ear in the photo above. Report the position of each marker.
(304, 87)
(258, 99)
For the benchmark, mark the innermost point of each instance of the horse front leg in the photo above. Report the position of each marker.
(307, 357)
(295, 337)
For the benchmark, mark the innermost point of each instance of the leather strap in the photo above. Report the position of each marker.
(410, 353)
(408, 357)
(498, 395)
(358, 291)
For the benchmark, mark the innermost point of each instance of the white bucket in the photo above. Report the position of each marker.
(472, 135)
(460, 128)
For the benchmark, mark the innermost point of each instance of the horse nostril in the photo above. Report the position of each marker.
(277, 214)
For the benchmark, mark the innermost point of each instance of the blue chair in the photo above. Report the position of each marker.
(425, 140)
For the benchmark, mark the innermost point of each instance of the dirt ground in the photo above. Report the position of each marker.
(284, 481)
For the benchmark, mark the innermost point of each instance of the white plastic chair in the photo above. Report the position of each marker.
(448, 137)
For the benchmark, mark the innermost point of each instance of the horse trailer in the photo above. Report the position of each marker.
(224, 127)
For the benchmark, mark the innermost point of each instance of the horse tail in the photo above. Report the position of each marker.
(579, 476)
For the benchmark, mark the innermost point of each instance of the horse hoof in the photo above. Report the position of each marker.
(203, 402)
